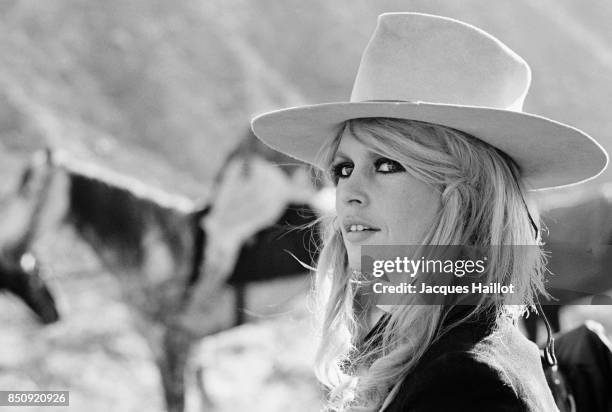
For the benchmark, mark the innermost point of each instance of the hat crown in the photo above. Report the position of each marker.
(424, 58)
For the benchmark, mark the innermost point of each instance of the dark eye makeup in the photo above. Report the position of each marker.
(384, 165)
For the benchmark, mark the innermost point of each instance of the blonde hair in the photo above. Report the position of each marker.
(483, 204)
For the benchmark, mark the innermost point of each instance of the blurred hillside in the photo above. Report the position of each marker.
(177, 82)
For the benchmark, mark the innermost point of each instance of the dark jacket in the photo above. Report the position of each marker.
(585, 359)
(472, 369)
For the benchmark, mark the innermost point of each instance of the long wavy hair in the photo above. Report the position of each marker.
(482, 204)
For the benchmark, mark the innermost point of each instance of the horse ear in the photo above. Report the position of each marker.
(25, 211)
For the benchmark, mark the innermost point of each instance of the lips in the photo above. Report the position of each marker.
(366, 229)
(358, 237)
(349, 222)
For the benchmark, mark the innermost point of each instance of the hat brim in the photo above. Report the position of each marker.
(550, 154)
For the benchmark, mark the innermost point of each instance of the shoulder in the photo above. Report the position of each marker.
(517, 361)
(457, 381)
(500, 372)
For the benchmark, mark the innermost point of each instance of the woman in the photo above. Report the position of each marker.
(432, 149)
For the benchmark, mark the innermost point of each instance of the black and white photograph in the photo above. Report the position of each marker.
(323, 206)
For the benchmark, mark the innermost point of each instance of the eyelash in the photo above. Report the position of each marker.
(336, 170)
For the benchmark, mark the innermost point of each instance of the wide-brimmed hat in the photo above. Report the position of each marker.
(439, 70)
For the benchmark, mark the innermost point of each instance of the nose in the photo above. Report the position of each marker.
(352, 191)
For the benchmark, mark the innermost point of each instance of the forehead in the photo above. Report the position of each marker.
(350, 147)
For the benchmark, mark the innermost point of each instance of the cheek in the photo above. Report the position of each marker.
(410, 211)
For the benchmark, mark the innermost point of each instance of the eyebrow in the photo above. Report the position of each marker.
(341, 154)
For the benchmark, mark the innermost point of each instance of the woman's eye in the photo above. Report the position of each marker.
(341, 171)
(385, 165)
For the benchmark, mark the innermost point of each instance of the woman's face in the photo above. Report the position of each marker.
(377, 201)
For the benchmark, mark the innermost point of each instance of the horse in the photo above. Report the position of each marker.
(578, 242)
(157, 244)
